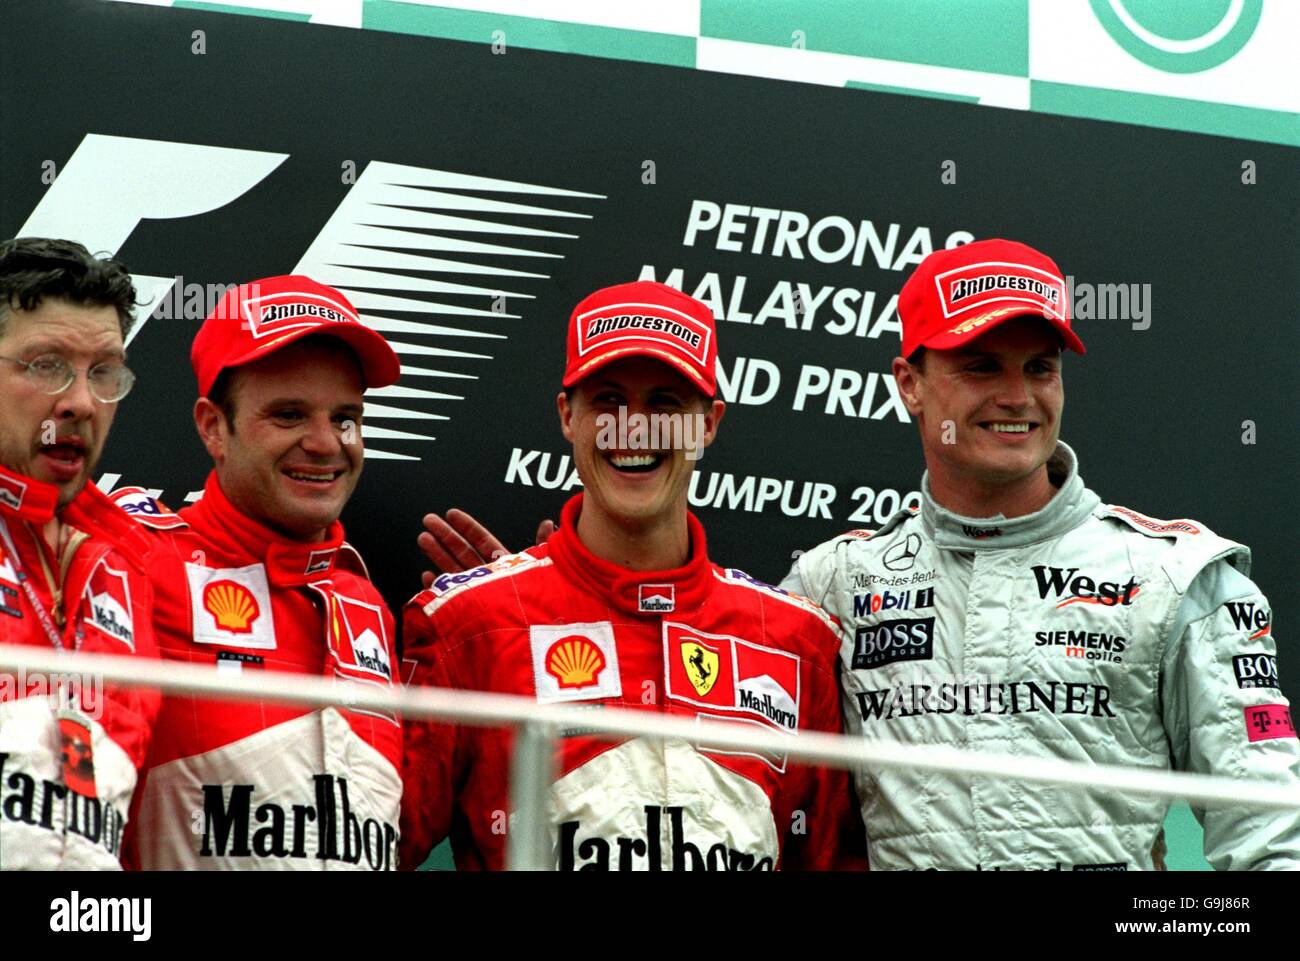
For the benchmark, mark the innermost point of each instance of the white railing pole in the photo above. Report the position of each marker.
(497, 710)
(532, 769)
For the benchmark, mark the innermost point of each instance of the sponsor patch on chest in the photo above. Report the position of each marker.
(730, 674)
(361, 638)
(107, 606)
(656, 598)
(231, 606)
(574, 662)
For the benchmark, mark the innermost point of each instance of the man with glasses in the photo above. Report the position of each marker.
(71, 574)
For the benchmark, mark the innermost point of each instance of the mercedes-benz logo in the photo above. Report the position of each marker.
(902, 556)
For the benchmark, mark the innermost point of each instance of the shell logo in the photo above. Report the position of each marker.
(574, 661)
(231, 605)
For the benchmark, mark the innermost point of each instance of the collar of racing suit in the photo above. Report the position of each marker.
(23, 498)
(621, 588)
(288, 563)
(1067, 509)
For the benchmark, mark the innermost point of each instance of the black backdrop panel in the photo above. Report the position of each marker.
(1157, 415)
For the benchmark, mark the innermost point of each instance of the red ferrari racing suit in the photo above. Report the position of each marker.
(238, 785)
(68, 761)
(562, 625)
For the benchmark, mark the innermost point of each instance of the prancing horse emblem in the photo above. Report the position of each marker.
(701, 666)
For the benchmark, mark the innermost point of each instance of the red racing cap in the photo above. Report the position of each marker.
(256, 319)
(956, 295)
(643, 319)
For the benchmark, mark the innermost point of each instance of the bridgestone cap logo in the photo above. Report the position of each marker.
(994, 283)
(599, 328)
(279, 313)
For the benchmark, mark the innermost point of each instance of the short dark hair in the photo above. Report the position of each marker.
(917, 359)
(221, 395)
(33, 268)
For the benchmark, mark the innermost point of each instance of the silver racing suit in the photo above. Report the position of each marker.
(1085, 632)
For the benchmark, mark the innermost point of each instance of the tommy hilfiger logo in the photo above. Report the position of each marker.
(656, 598)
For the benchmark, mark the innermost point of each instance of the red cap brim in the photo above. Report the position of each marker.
(979, 324)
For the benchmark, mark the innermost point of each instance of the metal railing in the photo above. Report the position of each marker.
(538, 725)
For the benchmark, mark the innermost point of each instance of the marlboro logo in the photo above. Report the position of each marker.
(656, 598)
(319, 561)
(108, 594)
(12, 492)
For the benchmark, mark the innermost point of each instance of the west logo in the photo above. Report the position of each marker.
(227, 827)
(876, 645)
(1071, 587)
(1248, 616)
(647, 850)
(1255, 670)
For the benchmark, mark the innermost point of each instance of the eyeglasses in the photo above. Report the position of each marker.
(109, 381)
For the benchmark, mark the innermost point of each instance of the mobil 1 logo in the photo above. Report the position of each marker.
(875, 645)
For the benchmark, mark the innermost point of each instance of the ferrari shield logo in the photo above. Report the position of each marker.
(701, 665)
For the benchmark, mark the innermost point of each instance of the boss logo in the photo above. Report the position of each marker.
(891, 641)
(1255, 670)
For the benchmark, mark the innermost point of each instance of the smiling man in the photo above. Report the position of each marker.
(1015, 613)
(72, 573)
(256, 577)
(622, 607)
